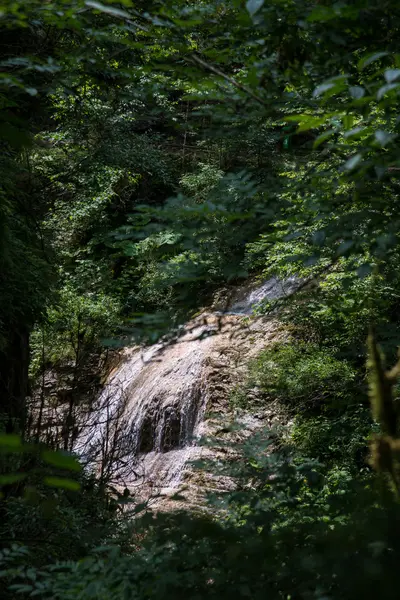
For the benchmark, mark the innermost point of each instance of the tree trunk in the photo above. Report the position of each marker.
(14, 382)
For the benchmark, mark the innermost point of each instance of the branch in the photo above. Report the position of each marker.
(228, 78)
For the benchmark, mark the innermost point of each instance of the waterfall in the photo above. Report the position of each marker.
(273, 289)
(145, 426)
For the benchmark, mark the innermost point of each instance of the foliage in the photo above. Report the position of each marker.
(74, 328)
(150, 153)
(285, 533)
(304, 376)
(340, 440)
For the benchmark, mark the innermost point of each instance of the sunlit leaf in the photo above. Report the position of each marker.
(61, 460)
(370, 58)
(311, 123)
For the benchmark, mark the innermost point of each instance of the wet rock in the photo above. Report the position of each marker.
(146, 436)
(164, 394)
(171, 432)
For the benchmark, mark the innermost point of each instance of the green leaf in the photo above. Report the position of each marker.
(62, 460)
(12, 478)
(364, 270)
(345, 246)
(321, 14)
(354, 133)
(392, 74)
(321, 89)
(370, 58)
(311, 123)
(356, 92)
(318, 237)
(323, 137)
(385, 89)
(110, 10)
(60, 482)
(21, 588)
(254, 6)
(10, 441)
(329, 88)
(383, 137)
(348, 121)
(352, 162)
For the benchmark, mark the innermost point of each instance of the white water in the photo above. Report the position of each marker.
(273, 289)
(147, 422)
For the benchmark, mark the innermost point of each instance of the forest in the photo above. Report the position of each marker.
(160, 161)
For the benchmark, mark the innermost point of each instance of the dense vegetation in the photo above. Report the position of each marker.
(152, 153)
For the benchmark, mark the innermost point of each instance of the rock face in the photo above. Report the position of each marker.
(145, 427)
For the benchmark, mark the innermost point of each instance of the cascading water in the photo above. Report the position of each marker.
(146, 422)
(273, 289)
(148, 413)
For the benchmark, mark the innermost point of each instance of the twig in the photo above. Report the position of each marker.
(228, 78)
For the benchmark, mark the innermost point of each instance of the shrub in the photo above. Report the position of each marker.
(304, 376)
(340, 439)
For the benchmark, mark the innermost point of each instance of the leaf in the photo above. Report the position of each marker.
(356, 132)
(21, 588)
(131, 249)
(385, 89)
(356, 92)
(383, 137)
(344, 247)
(352, 162)
(348, 121)
(62, 460)
(364, 270)
(385, 240)
(254, 6)
(321, 14)
(329, 88)
(311, 123)
(60, 482)
(323, 137)
(380, 171)
(318, 237)
(12, 478)
(321, 89)
(31, 574)
(311, 260)
(392, 74)
(10, 441)
(110, 10)
(370, 58)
